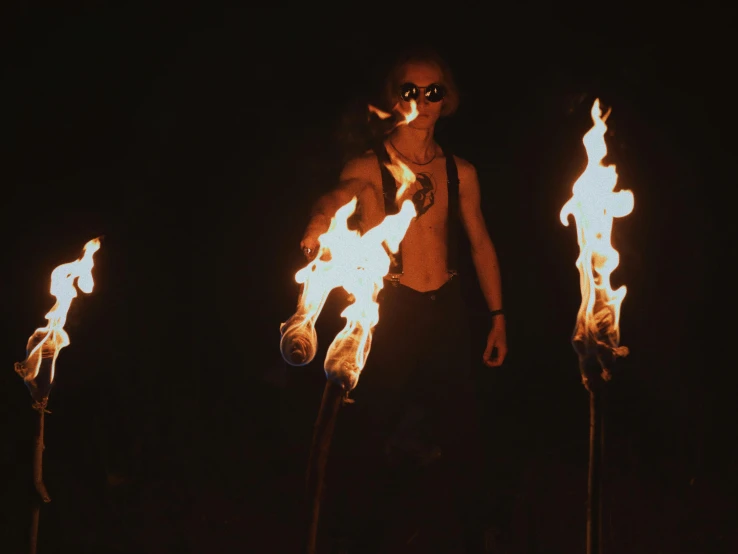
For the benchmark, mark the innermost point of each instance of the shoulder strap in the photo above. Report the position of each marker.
(389, 186)
(454, 220)
(389, 189)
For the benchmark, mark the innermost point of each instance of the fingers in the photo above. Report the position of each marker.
(494, 355)
(309, 250)
(492, 360)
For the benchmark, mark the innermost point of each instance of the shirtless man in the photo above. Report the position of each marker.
(425, 246)
(414, 413)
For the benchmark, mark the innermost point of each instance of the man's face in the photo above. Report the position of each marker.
(422, 75)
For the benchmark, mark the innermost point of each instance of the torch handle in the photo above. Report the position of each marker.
(322, 434)
(38, 453)
(596, 456)
(35, 516)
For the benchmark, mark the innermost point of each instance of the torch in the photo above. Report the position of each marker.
(358, 264)
(596, 336)
(42, 350)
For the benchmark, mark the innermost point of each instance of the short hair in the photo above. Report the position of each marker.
(420, 54)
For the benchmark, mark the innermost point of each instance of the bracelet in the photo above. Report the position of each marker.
(494, 313)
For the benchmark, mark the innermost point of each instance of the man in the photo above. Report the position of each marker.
(405, 468)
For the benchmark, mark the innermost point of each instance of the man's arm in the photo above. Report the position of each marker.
(485, 259)
(356, 180)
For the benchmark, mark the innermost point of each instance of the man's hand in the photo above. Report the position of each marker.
(310, 243)
(496, 350)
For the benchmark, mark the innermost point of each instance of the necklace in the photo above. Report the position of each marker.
(409, 159)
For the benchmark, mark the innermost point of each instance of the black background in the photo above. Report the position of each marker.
(195, 140)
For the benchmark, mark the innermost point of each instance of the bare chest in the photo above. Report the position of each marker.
(428, 193)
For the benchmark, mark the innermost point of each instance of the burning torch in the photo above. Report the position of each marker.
(44, 345)
(358, 264)
(596, 336)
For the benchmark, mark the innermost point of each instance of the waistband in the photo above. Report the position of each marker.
(432, 294)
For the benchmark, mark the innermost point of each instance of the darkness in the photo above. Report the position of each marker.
(194, 142)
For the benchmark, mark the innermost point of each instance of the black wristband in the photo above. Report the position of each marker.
(494, 313)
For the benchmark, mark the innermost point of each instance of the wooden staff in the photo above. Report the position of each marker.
(595, 378)
(333, 397)
(38, 474)
(38, 451)
(594, 483)
(39, 388)
(35, 515)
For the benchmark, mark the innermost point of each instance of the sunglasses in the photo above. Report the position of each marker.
(432, 93)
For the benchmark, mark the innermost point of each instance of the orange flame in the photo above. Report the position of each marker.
(379, 113)
(357, 263)
(594, 204)
(406, 117)
(46, 342)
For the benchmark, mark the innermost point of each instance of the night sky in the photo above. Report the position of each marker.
(194, 142)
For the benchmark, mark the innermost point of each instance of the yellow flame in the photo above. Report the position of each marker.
(46, 342)
(358, 263)
(402, 174)
(593, 205)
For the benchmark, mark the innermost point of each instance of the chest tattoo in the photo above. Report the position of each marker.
(425, 196)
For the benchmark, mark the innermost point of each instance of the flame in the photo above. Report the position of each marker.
(46, 342)
(358, 263)
(406, 117)
(402, 175)
(594, 204)
(380, 113)
(412, 114)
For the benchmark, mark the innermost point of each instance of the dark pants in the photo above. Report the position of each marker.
(404, 470)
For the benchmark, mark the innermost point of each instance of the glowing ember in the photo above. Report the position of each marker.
(594, 204)
(46, 342)
(357, 263)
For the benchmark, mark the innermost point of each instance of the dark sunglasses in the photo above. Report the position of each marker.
(432, 93)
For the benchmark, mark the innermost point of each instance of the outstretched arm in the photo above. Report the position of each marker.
(485, 261)
(358, 179)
